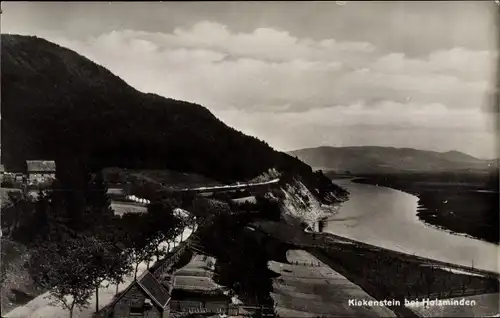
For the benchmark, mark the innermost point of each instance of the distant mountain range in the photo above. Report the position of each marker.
(369, 159)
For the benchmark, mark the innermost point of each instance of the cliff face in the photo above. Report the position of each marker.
(303, 206)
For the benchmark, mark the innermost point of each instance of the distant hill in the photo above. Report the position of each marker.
(370, 159)
(57, 104)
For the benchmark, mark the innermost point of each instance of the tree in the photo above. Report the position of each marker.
(162, 226)
(111, 262)
(52, 220)
(144, 233)
(66, 270)
(136, 238)
(18, 208)
(44, 220)
(202, 207)
(121, 265)
(97, 199)
(143, 188)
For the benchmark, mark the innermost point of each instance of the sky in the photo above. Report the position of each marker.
(416, 74)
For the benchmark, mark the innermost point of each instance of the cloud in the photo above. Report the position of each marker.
(470, 65)
(263, 43)
(268, 78)
(420, 126)
(270, 69)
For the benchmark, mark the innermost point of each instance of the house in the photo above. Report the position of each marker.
(145, 297)
(19, 177)
(40, 171)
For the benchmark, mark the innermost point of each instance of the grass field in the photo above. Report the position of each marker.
(176, 179)
(121, 208)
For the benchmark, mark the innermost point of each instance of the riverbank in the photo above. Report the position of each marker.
(385, 217)
(466, 204)
(386, 276)
(307, 287)
(382, 273)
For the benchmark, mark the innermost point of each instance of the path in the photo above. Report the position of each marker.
(41, 307)
(232, 186)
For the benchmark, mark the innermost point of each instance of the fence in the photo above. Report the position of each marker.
(262, 311)
(457, 292)
(329, 238)
(192, 306)
(161, 269)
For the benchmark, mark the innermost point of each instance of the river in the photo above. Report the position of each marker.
(388, 218)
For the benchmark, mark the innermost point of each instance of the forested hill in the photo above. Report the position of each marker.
(57, 104)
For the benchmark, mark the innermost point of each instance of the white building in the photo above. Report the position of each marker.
(40, 171)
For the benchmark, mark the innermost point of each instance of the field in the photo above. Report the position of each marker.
(167, 178)
(307, 287)
(121, 208)
(462, 202)
(487, 305)
(384, 274)
(197, 275)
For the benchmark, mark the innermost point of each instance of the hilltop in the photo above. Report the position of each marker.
(58, 104)
(370, 159)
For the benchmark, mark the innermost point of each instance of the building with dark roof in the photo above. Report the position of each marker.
(145, 297)
(40, 171)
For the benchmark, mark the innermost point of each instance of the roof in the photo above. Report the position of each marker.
(154, 289)
(41, 165)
